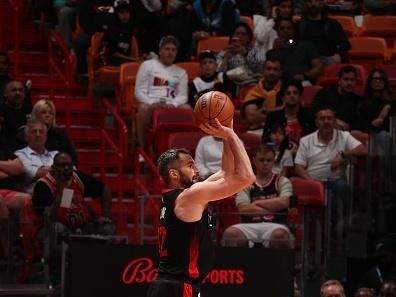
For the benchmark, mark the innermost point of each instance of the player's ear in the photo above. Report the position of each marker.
(173, 173)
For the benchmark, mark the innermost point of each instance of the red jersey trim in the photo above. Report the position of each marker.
(194, 250)
(187, 290)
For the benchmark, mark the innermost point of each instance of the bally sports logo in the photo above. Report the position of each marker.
(143, 270)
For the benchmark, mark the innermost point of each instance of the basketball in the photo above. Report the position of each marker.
(213, 105)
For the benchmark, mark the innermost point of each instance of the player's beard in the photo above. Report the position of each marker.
(185, 182)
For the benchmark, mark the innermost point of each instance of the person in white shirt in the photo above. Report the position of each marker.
(321, 156)
(208, 155)
(159, 84)
(36, 159)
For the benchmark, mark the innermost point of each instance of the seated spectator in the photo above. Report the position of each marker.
(35, 158)
(117, 38)
(13, 113)
(10, 199)
(332, 288)
(240, 55)
(159, 84)
(49, 191)
(58, 140)
(388, 288)
(341, 99)
(299, 58)
(262, 99)
(375, 112)
(327, 34)
(275, 135)
(296, 120)
(321, 156)
(208, 156)
(264, 27)
(364, 292)
(263, 207)
(210, 79)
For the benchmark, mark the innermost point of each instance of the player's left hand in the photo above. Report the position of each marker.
(216, 129)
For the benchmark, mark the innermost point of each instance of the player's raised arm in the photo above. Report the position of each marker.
(192, 201)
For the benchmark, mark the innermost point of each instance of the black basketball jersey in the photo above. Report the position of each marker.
(186, 250)
(267, 191)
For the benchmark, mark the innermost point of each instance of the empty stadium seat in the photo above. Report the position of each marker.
(347, 23)
(193, 69)
(368, 51)
(251, 142)
(188, 140)
(214, 43)
(330, 74)
(380, 26)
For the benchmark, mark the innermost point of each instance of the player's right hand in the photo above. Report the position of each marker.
(216, 129)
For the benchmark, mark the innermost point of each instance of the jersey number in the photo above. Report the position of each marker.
(163, 252)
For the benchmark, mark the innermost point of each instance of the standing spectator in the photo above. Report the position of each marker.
(13, 113)
(341, 99)
(262, 98)
(296, 119)
(299, 58)
(210, 78)
(117, 38)
(327, 34)
(263, 207)
(332, 288)
(66, 20)
(264, 27)
(35, 158)
(160, 84)
(275, 134)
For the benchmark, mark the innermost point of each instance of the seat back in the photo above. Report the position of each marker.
(367, 51)
(192, 68)
(361, 136)
(309, 192)
(378, 22)
(213, 43)
(347, 23)
(308, 95)
(251, 142)
(188, 140)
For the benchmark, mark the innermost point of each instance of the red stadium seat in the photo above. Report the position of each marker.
(214, 43)
(361, 136)
(193, 69)
(308, 95)
(390, 70)
(251, 142)
(368, 51)
(330, 75)
(380, 26)
(347, 23)
(188, 140)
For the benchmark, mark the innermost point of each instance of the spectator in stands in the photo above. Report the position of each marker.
(13, 113)
(321, 156)
(388, 288)
(296, 119)
(5, 78)
(117, 38)
(327, 34)
(332, 288)
(341, 99)
(210, 78)
(94, 16)
(160, 84)
(35, 158)
(240, 56)
(10, 200)
(381, 7)
(264, 27)
(58, 140)
(299, 58)
(49, 191)
(66, 20)
(263, 207)
(375, 112)
(275, 135)
(364, 292)
(262, 98)
(208, 155)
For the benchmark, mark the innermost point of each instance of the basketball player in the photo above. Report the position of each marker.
(185, 247)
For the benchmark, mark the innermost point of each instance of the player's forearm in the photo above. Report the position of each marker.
(242, 165)
(227, 161)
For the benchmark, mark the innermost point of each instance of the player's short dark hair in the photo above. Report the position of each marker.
(347, 69)
(167, 160)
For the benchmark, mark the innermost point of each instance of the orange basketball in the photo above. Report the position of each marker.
(213, 105)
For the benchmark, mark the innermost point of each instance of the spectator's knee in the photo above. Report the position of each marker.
(234, 237)
(280, 238)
